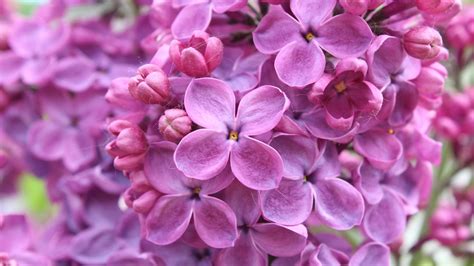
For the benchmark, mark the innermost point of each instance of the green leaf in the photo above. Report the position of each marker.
(34, 194)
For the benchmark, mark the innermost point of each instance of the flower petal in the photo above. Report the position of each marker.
(38, 71)
(312, 12)
(289, 204)
(202, 154)
(345, 36)
(10, 67)
(371, 254)
(315, 122)
(384, 57)
(168, 220)
(218, 183)
(242, 253)
(46, 140)
(298, 154)
(338, 204)
(380, 148)
(94, 246)
(215, 222)
(368, 181)
(299, 64)
(278, 240)
(385, 221)
(160, 169)
(405, 103)
(260, 110)
(244, 202)
(276, 30)
(257, 165)
(210, 103)
(191, 18)
(74, 74)
(80, 149)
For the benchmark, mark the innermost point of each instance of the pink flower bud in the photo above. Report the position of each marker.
(434, 6)
(150, 85)
(199, 56)
(356, 7)
(130, 146)
(423, 42)
(174, 124)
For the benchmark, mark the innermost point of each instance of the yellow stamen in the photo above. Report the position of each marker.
(309, 36)
(340, 87)
(234, 135)
(197, 190)
(391, 131)
(305, 178)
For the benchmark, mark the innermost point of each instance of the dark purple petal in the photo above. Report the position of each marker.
(46, 140)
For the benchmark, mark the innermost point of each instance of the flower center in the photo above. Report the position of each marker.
(390, 131)
(309, 36)
(340, 87)
(234, 135)
(197, 190)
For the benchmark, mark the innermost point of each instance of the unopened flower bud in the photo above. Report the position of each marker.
(434, 6)
(174, 124)
(199, 56)
(129, 148)
(356, 7)
(423, 42)
(150, 85)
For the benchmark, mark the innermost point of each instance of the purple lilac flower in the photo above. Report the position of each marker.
(204, 153)
(300, 60)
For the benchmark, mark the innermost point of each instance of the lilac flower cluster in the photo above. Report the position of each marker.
(55, 71)
(258, 124)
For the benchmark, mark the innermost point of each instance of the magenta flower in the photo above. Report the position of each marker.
(257, 239)
(197, 14)
(16, 242)
(69, 127)
(298, 42)
(205, 152)
(199, 56)
(184, 198)
(392, 69)
(310, 176)
(391, 196)
(345, 97)
(34, 64)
